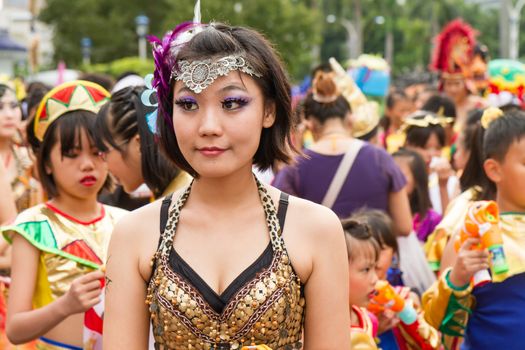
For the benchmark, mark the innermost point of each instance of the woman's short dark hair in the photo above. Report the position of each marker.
(119, 121)
(218, 40)
(66, 130)
(419, 198)
(418, 136)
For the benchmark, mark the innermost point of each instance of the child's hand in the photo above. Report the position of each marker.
(386, 320)
(83, 294)
(468, 262)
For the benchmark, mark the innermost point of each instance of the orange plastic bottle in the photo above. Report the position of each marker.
(385, 297)
(482, 221)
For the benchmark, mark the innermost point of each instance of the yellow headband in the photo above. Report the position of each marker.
(489, 115)
(67, 97)
(427, 120)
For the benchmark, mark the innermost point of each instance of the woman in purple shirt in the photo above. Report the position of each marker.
(374, 180)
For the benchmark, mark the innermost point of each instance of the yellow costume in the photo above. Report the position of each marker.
(473, 312)
(69, 248)
(362, 336)
(449, 225)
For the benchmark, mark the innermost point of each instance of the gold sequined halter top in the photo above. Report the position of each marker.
(263, 305)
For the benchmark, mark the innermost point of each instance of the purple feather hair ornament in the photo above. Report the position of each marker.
(165, 58)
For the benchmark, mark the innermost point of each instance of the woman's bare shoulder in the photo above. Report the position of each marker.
(311, 233)
(312, 220)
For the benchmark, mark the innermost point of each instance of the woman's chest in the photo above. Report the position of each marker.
(266, 308)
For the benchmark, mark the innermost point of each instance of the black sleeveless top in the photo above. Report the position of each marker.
(263, 305)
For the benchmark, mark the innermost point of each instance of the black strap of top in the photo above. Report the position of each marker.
(164, 211)
(283, 207)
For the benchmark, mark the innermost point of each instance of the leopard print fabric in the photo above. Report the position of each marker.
(268, 310)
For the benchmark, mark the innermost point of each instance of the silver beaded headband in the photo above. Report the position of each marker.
(198, 75)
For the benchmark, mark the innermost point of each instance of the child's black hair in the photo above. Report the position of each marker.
(360, 232)
(391, 99)
(473, 175)
(419, 198)
(380, 225)
(66, 130)
(440, 104)
(502, 133)
(499, 136)
(418, 136)
(125, 117)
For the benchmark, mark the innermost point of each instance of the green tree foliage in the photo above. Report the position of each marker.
(298, 28)
(122, 65)
(290, 25)
(109, 24)
(413, 24)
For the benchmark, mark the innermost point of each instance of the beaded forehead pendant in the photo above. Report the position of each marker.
(199, 74)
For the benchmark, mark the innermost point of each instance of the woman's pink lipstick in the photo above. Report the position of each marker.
(211, 151)
(88, 181)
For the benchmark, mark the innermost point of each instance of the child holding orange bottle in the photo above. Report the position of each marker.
(400, 320)
(363, 254)
(497, 313)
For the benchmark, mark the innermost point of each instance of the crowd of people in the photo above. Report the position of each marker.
(206, 209)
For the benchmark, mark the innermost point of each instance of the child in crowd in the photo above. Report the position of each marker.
(489, 316)
(60, 246)
(474, 185)
(444, 108)
(363, 254)
(380, 226)
(424, 217)
(425, 134)
(392, 333)
(129, 147)
(464, 143)
(398, 107)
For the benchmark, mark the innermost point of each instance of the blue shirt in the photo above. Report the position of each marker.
(498, 318)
